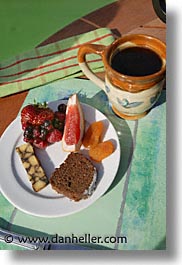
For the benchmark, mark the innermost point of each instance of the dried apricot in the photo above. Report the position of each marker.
(93, 134)
(101, 151)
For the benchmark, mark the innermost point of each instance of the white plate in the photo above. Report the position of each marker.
(16, 187)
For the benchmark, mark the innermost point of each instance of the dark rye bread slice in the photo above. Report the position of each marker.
(73, 177)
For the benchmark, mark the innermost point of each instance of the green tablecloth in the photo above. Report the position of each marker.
(135, 204)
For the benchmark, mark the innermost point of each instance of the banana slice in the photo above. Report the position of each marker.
(32, 166)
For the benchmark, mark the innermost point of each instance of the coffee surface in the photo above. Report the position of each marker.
(136, 61)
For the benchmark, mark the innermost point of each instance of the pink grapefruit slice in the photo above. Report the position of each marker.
(74, 125)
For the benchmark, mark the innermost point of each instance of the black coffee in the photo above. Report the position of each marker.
(136, 61)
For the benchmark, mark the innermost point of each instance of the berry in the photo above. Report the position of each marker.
(54, 136)
(45, 114)
(36, 131)
(40, 143)
(28, 114)
(43, 133)
(27, 140)
(48, 125)
(41, 125)
(56, 123)
(28, 133)
(61, 127)
(23, 124)
(62, 108)
(60, 116)
(36, 114)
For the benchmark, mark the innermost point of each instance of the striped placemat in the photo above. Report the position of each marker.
(54, 61)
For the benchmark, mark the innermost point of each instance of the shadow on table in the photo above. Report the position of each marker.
(126, 147)
(100, 101)
(83, 25)
(27, 232)
(161, 100)
(161, 245)
(54, 240)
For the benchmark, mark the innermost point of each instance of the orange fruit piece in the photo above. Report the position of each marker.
(101, 151)
(74, 125)
(93, 134)
(72, 128)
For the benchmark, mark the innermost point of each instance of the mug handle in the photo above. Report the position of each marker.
(82, 52)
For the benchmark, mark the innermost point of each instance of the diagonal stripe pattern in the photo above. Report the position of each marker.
(51, 62)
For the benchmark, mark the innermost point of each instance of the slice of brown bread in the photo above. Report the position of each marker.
(74, 177)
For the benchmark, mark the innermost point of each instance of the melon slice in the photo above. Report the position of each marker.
(74, 125)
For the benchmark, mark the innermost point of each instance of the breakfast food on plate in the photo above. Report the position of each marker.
(101, 151)
(93, 134)
(74, 125)
(75, 178)
(41, 125)
(32, 166)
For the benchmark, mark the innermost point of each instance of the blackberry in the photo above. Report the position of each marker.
(62, 108)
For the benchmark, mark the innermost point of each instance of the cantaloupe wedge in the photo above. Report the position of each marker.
(74, 125)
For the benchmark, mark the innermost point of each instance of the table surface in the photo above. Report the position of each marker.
(134, 205)
(122, 17)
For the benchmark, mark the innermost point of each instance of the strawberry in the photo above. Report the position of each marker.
(27, 140)
(41, 125)
(40, 143)
(28, 114)
(54, 136)
(23, 124)
(44, 114)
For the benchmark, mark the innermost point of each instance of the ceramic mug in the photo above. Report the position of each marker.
(131, 97)
(160, 9)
